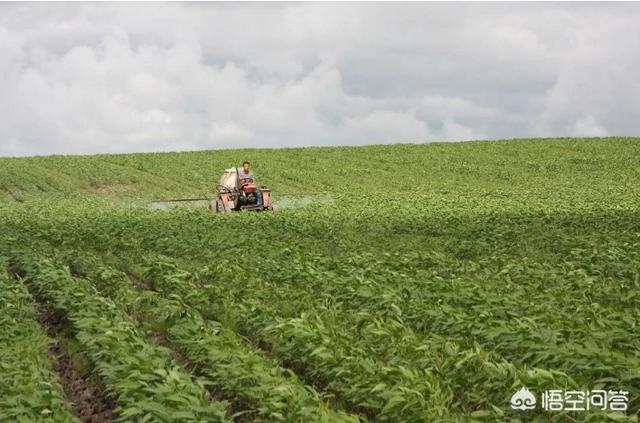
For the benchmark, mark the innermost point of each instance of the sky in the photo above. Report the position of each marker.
(79, 78)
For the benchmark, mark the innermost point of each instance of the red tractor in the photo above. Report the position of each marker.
(234, 195)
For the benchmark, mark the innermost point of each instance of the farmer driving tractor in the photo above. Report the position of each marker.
(248, 183)
(237, 191)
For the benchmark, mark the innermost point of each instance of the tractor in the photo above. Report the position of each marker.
(235, 195)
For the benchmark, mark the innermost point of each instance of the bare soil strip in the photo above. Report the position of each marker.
(82, 387)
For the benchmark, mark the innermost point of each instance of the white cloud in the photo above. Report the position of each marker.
(88, 77)
(453, 131)
(587, 126)
(229, 131)
(383, 127)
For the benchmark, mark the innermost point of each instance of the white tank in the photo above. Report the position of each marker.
(229, 178)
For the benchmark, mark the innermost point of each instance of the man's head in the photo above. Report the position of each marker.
(246, 166)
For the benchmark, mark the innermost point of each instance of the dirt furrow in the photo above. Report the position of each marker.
(81, 384)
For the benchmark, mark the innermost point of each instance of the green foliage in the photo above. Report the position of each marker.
(29, 391)
(145, 381)
(437, 281)
(255, 383)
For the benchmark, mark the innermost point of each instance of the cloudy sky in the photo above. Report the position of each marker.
(87, 77)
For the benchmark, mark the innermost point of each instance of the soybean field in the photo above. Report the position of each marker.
(400, 283)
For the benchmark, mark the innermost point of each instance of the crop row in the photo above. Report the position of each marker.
(426, 315)
(323, 337)
(323, 346)
(147, 384)
(29, 389)
(403, 315)
(463, 302)
(321, 352)
(468, 299)
(392, 304)
(257, 387)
